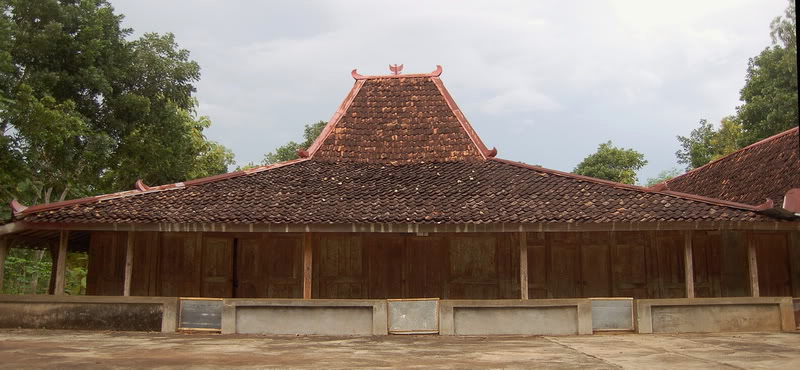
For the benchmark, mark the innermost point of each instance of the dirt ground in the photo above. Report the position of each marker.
(73, 349)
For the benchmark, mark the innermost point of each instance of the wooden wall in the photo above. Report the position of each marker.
(448, 266)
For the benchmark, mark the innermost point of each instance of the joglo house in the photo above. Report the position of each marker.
(398, 219)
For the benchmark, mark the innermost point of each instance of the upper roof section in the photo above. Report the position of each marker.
(398, 119)
(762, 171)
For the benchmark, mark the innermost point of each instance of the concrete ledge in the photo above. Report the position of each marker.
(89, 312)
(512, 316)
(797, 312)
(307, 317)
(712, 315)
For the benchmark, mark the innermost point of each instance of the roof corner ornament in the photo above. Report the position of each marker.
(302, 153)
(437, 72)
(17, 207)
(769, 204)
(396, 69)
(791, 201)
(356, 75)
(492, 153)
(141, 186)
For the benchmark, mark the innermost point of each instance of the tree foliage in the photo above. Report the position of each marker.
(663, 176)
(289, 150)
(84, 110)
(707, 143)
(612, 163)
(770, 90)
(769, 96)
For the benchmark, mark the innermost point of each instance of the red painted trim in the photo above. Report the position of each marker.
(659, 187)
(152, 189)
(476, 140)
(17, 207)
(769, 204)
(328, 129)
(717, 202)
(435, 73)
(758, 143)
(141, 186)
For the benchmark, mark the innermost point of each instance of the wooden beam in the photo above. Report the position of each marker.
(523, 265)
(688, 264)
(61, 263)
(126, 287)
(752, 263)
(307, 265)
(5, 245)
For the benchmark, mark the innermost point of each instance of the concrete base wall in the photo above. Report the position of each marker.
(89, 313)
(522, 317)
(712, 315)
(306, 317)
(797, 313)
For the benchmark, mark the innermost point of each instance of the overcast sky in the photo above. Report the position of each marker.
(545, 82)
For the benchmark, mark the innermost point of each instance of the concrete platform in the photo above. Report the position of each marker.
(25, 348)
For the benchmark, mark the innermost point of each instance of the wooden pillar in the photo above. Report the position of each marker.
(126, 287)
(752, 263)
(61, 263)
(307, 264)
(523, 265)
(5, 245)
(688, 264)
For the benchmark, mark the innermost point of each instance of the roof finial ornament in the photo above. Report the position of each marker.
(396, 70)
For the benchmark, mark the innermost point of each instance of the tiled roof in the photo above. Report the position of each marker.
(309, 191)
(399, 119)
(764, 170)
(398, 150)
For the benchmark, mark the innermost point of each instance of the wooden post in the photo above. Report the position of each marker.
(523, 265)
(126, 287)
(307, 263)
(61, 263)
(752, 263)
(4, 247)
(688, 264)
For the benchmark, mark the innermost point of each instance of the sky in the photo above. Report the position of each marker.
(543, 81)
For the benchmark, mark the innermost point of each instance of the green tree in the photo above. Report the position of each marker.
(663, 176)
(289, 150)
(770, 90)
(707, 143)
(84, 110)
(612, 163)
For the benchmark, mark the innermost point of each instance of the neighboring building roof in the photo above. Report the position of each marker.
(762, 171)
(397, 151)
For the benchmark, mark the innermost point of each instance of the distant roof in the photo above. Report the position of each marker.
(762, 171)
(398, 150)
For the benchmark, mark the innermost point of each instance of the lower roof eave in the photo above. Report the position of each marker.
(20, 226)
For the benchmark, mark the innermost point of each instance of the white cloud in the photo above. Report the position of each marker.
(519, 101)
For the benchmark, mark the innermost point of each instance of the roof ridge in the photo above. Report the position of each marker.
(462, 119)
(151, 189)
(714, 201)
(436, 73)
(337, 116)
(738, 151)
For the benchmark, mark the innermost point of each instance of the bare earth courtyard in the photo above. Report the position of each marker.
(55, 348)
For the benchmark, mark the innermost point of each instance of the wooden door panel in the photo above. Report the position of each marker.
(706, 248)
(426, 267)
(107, 263)
(629, 267)
(772, 256)
(668, 259)
(473, 267)
(595, 269)
(387, 257)
(250, 269)
(179, 268)
(537, 271)
(564, 263)
(217, 270)
(340, 272)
